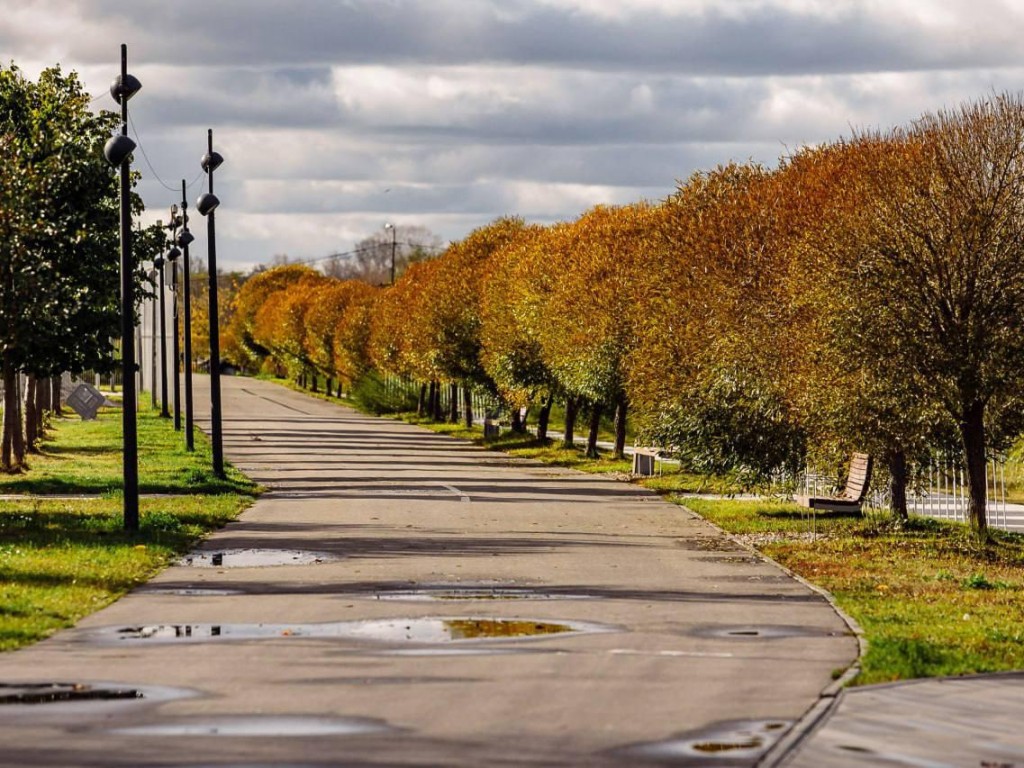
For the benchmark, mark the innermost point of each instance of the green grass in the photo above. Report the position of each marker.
(932, 600)
(62, 559)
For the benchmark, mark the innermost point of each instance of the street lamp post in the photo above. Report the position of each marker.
(172, 256)
(184, 239)
(152, 345)
(118, 152)
(394, 243)
(158, 264)
(207, 205)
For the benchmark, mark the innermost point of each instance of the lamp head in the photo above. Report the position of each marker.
(118, 149)
(207, 203)
(124, 88)
(212, 161)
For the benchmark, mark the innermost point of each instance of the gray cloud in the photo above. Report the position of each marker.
(338, 115)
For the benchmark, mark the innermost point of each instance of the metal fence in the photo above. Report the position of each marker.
(938, 489)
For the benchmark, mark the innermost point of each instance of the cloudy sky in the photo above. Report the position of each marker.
(336, 116)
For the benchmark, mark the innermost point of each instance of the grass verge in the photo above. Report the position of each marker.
(62, 559)
(932, 600)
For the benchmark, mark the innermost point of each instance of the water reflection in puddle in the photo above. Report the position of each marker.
(254, 558)
(417, 630)
(763, 632)
(276, 726)
(734, 742)
(50, 693)
(188, 591)
(475, 593)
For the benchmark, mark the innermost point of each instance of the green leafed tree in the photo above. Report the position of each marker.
(58, 226)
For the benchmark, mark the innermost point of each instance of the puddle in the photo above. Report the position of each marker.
(418, 630)
(733, 742)
(762, 632)
(275, 726)
(47, 701)
(189, 591)
(50, 693)
(254, 558)
(475, 593)
(475, 651)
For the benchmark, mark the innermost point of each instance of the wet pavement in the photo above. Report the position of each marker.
(401, 598)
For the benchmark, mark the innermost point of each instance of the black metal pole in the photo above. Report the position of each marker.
(131, 438)
(187, 280)
(175, 345)
(152, 357)
(164, 411)
(394, 242)
(215, 411)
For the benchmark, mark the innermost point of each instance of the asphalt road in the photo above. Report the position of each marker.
(461, 608)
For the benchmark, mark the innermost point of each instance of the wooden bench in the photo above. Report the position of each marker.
(852, 498)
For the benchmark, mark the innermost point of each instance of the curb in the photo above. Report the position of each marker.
(832, 694)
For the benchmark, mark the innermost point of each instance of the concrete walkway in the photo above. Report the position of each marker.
(657, 639)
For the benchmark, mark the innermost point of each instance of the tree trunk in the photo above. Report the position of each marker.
(421, 402)
(896, 460)
(453, 403)
(55, 404)
(543, 417)
(42, 395)
(30, 414)
(467, 404)
(972, 430)
(12, 454)
(313, 382)
(572, 405)
(621, 410)
(515, 420)
(435, 400)
(45, 394)
(329, 386)
(595, 425)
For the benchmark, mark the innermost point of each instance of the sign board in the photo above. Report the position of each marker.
(86, 400)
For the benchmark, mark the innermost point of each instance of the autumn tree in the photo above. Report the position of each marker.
(450, 304)
(251, 297)
(352, 334)
(704, 374)
(941, 277)
(325, 321)
(519, 282)
(282, 324)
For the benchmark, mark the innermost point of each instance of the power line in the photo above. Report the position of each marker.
(165, 185)
(375, 247)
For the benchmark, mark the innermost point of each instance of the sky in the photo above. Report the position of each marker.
(336, 117)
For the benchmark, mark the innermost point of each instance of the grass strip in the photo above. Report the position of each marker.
(64, 558)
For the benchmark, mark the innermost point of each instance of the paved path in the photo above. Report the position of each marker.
(975, 721)
(686, 649)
